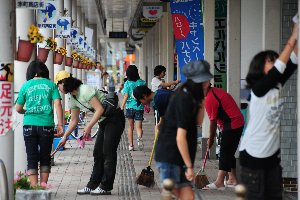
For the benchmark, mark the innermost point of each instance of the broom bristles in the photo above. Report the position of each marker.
(146, 178)
(201, 181)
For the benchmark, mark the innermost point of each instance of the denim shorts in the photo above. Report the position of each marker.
(174, 172)
(137, 115)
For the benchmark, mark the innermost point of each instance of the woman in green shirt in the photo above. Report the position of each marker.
(35, 102)
(109, 132)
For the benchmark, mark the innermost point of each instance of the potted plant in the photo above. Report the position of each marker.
(59, 55)
(23, 190)
(43, 52)
(75, 57)
(25, 47)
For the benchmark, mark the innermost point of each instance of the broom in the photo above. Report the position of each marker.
(146, 178)
(201, 179)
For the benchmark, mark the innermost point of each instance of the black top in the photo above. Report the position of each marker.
(274, 77)
(161, 100)
(181, 113)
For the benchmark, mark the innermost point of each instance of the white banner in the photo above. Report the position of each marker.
(74, 35)
(46, 18)
(152, 12)
(89, 34)
(63, 29)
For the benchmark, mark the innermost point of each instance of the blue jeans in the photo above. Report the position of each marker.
(174, 172)
(38, 142)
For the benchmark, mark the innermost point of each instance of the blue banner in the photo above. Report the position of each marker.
(188, 31)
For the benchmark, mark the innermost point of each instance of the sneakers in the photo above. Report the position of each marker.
(140, 143)
(100, 191)
(131, 148)
(85, 190)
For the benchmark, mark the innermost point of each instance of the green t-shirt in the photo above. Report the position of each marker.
(85, 94)
(37, 96)
(128, 89)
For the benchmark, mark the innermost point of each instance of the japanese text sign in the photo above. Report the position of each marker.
(6, 106)
(188, 31)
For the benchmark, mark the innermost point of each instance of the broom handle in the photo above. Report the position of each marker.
(204, 162)
(153, 148)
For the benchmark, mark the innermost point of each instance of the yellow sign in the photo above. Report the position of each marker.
(145, 20)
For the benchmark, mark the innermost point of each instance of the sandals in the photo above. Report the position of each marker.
(212, 186)
(229, 185)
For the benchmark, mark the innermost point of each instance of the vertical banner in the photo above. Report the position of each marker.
(188, 31)
(220, 68)
(6, 97)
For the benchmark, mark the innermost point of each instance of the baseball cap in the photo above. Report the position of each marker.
(61, 75)
(198, 71)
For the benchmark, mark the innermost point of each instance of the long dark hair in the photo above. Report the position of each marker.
(257, 65)
(37, 69)
(132, 73)
(70, 84)
(194, 89)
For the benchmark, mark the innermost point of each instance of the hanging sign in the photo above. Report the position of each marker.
(6, 97)
(74, 33)
(152, 12)
(63, 27)
(30, 4)
(81, 42)
(46, 18)
(188, 31)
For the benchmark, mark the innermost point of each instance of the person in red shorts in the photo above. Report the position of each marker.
(223, 111)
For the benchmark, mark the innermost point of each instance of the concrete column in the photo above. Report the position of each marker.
(144, 60)
(84, 24)
(251, 32)
(24, 18)
(166, 40)
(234, 49)
(74, 18)
(49, 62)
(209, 33)
(68, 6)
(6, 57)
(271, 27)
(78, 19)
(60, 41)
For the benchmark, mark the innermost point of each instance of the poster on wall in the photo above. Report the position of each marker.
(6, 97)
(63, 27)
(93, 79)
(46, 18)
(188, 31)
(74, 33)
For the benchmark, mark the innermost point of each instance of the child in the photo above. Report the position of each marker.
(38, 93)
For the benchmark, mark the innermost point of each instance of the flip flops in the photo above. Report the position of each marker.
(228, 185)
(212, 186)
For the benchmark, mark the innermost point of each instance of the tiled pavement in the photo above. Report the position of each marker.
(73, 167)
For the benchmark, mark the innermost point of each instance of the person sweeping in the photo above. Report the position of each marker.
(177, 142)
(159, 101)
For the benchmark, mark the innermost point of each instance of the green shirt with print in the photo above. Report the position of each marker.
(85, 94)
(37, 95)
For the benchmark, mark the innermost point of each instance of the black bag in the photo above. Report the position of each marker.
(110, 104)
